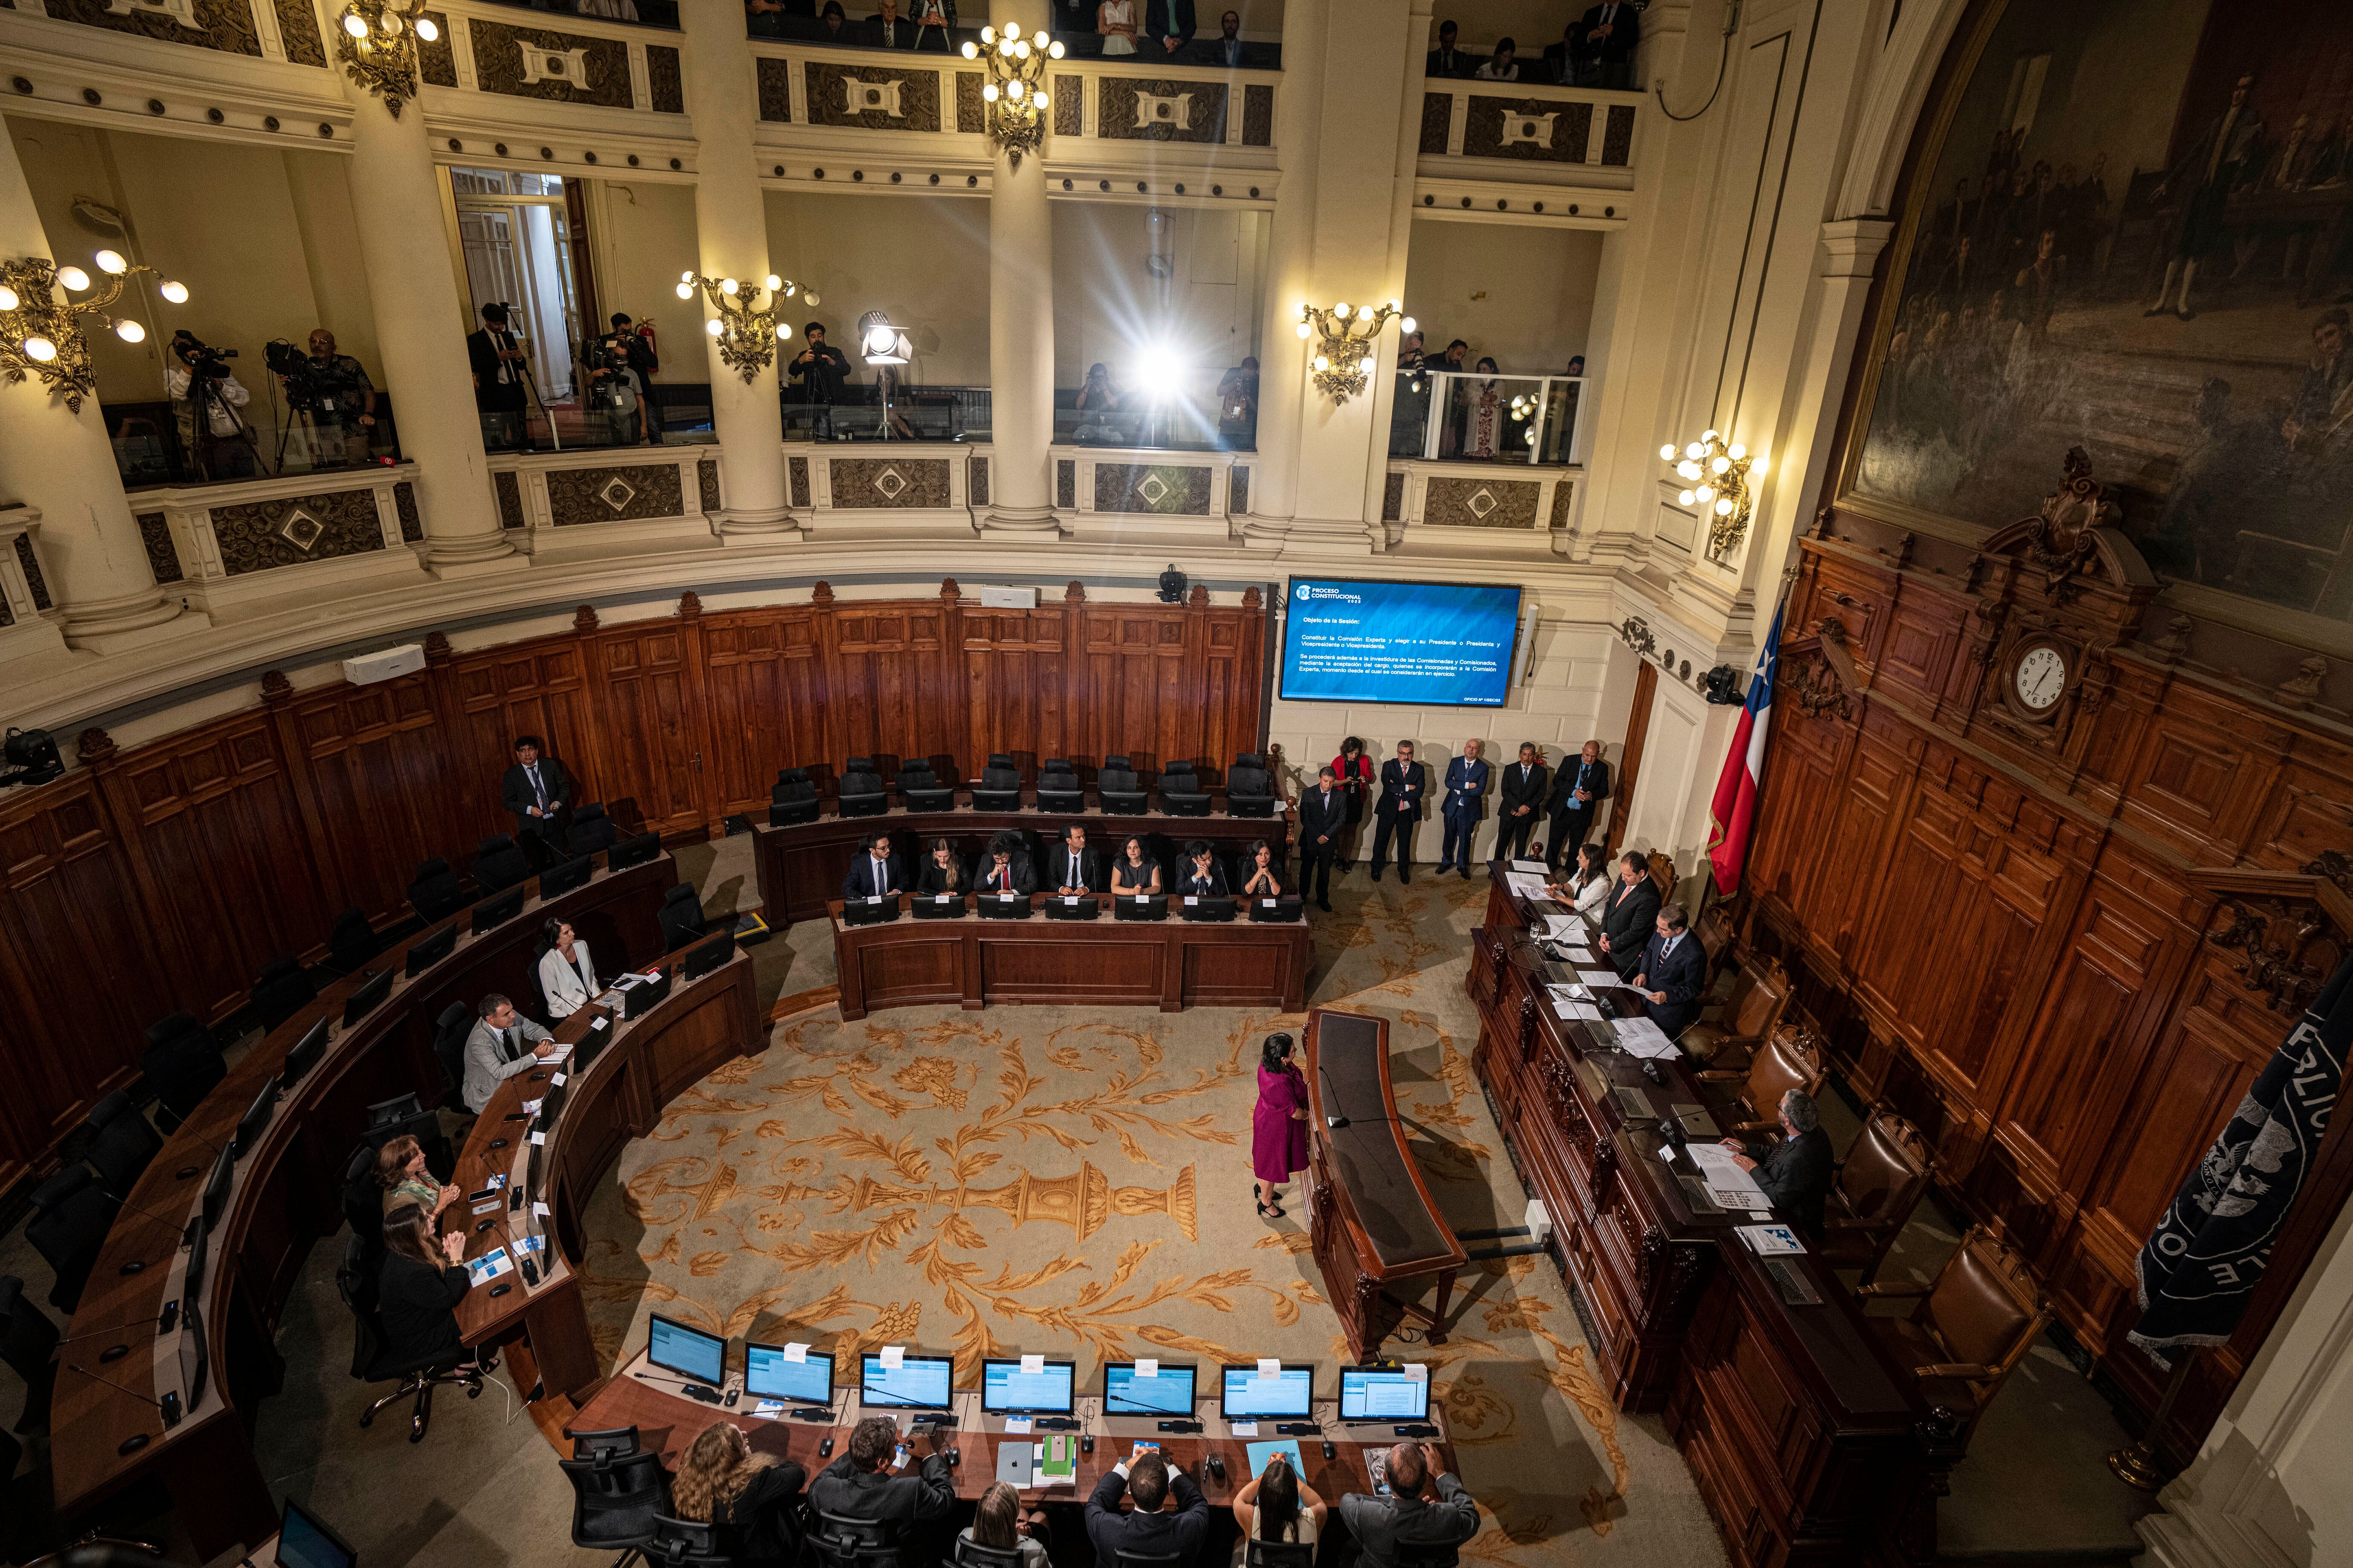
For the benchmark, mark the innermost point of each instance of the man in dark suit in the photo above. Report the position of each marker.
(1006, 868)
(1576, 789)
(1628, 915)
(859, 1484)
(1561, 61)
(886, 29)
(1404, 784)
(1606, 37)
(1226, 49)
(1073, 868)
(1466, 777)
(1146, 1529)
(1796, 1173)
(1200, 876)
(1446, 60)
(496, 357)
(1167, 25)
(1673, 972)
(538, 790)
(1525, 784)
(1323, 822)
(875, 874)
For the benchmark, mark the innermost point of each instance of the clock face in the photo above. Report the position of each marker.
(2040, 679)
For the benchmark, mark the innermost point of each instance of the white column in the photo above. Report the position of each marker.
(1022, 322)
(60, 464)
(1382, 391)
(1290, 272)
(420, 331)
(731, 228)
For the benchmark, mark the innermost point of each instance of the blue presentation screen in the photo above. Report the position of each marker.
(1435, 645)
(690, 1353)
(769, 1375)
(1005, 1389)
(1382, 1395)
(920, 1383)
(1169, 1394)
(1288, 1393)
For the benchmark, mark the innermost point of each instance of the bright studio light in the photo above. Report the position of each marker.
(129, 332)
(73, 277)
(177, 293)
(111, 262)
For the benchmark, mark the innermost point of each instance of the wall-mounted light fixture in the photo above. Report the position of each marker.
(747, 334)
(41, 334)
(1343, 356)
(378, 40)
(1015, 90)
(1718, 474)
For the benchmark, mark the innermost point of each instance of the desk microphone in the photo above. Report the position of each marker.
(173, 1313)
(187, 1172)
(169, 1405)
(691, 1390)
(1337, 1122)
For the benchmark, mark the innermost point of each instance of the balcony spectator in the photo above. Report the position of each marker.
(819, 370)
(611, 10)
(1115, 21)
(1563, 61)
(497, 356)
(1608, 34)
(1482, 416)
(935, 22)
(833, 24)
(1100, 397)
(1576, 367)
(763, 19)
(1409, 415)
(1501, 65)
(1169, 24)
(886, 29)
(1238, 403)
(1227, 49)
(343, 420)
(620, 366)
(1446, 60)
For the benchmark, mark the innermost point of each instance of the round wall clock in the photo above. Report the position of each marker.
(2038, 678)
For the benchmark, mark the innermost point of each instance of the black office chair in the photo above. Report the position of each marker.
(434, 893)
(373, 1359)
(1058, 786)
(1150, 1559)
(499, 864)
(28, 1339)
(616, 1498)
(182, 1063)
(122, 1142)
(681, 916)
(591, 830)
(862, 793)
(1249, 788)
(690, 1543)
(352, 943)
(1000, 785)
(837, 1541)
(1181, 793)
(1280, 1554)
(615, 1442)
(1423, 1555)
(970, 1554)
(449, 1034)
(283, 989)
(920, 789)
(363, 1200)
(1118, 788)
(793, 800)
(68, 1230)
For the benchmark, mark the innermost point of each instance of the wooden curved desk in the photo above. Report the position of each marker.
(801, 865)
(287, 1193)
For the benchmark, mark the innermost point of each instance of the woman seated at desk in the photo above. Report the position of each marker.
(941, 874)
(756, 1496)
(1586, 886)
(400, 1171)
(422, 1281)
(567, 978)
(997, 1520)
(1261, 872)
(1277, 1506)
(1135, 871)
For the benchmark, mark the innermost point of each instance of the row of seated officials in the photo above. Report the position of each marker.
(868, 1508)
(1013, 862)
(1120, 789)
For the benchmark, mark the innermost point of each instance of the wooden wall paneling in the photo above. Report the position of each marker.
(647, 698)
(1014, 684)
(1228, 705)
(892, 658)
(764, 683)
(367, 766)
(2308, 811)
(1134, 659)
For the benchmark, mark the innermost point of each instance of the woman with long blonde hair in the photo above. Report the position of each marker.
(721, 1481)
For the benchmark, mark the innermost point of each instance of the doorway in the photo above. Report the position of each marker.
(1638, 726)
(517, 231)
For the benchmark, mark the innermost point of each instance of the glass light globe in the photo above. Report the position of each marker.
(1707, 435)
(1408, 325)
(73, 277)
(1687, 468)
(1737, 451)
(789, 287)
(1759, 465)
(427, 30)
(1718, 464)
(354, 25)
(8, 300)
(1039, 41)
(1004, 47)
(1321, 363)
(1724, 506)
(686, 277)
(728, 286)
(1667, 452)
(783, 329)
(1021, 50)
(1704, 492)
(1039, 98)
(1686, 498)
(988, 35)
(686, 290)
(971, 50)
(989, 92)
(129, 332)
(1341, 311)
(774, 283)
(110, 261)
(1054, 50)
(1014, 87)
(40, 349)
(1366, 364)
(390, 23)
(810, 296)
(1305, 330)
(712, 327)
(1693, 450)
(175, 292)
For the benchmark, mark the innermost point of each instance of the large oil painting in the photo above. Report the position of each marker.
(2134, 238)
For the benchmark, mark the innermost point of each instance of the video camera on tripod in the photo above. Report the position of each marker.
(309, 387)
(612, 354)
(204, 362)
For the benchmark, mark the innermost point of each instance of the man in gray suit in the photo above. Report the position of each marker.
(502, 1045)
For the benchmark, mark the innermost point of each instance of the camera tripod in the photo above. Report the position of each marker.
(203, 397)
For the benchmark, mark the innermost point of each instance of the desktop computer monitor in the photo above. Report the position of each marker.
(919, 1382)
(216, 1186)
(768, 1374)
(1167, 1393)
(192, 1282)
(304, 1054)
(1383, 1393)
(493, 912)
(705, 957)
(690, 1353)
(360, 1002)
(304, 1543)
(256, 1119)
(426, 952)
(194, 1359)
(1008, 1389)
(640, 1000)
(1289, 1395)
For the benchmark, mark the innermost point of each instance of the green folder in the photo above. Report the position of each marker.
(1058, 1460)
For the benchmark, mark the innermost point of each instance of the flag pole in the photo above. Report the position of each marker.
(2136, 1463)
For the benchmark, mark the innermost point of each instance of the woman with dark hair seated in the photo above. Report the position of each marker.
(941, 874)
(1135, 871)
(418, 1290)
(566, 976)
(721, 1481)
(1276, 1505)
(1261, 872)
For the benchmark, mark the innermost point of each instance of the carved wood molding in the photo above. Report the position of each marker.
(2274, 936)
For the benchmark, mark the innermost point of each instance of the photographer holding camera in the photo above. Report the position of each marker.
(334, 393)
(620, 367)
(821, 369)
(497, 357)
(205, 396)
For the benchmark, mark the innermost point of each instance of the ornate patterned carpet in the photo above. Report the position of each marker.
(1076, 1182)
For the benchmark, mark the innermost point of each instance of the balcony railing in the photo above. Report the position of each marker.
(1468, 417)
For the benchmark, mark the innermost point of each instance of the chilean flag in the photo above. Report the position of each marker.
(1735, 808)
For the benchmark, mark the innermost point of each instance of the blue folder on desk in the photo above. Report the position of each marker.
(1260, 1453)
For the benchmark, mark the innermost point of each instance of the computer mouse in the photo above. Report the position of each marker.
(1087, 1443)
(732, 1395)
(498, 1143)
(956, 1458)
(500, 1289)
(1218, 1466)
(824, 1448)
(1329, 1451)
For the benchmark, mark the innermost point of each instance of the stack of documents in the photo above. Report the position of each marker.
(1527, 884)
(1727, 1183)
(1642, 1038)
(1573, 1001)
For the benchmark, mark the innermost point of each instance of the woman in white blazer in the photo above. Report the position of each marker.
(1586, 886)
(567, 977)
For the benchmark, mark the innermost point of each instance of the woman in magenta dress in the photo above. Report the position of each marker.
(1278, 1125)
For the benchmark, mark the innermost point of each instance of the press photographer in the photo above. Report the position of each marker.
(820, 369)
(497, 356)
(205, 396)
(620, 369)
(331, 393)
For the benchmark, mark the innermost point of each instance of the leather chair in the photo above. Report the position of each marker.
(837, 1540)
(1181, 793)
(434, 893)
(1118, 788)
(363, 1201)
(499, 864)
(182, 1064)
(1000, 785)
(1058, 786)
(373, 1359)
(68, 1230)
(352, 943)
(1975, 1323)
(450, 1033)
(1876, 1190)
(860, 791)
(1420, 1554)
(920, 789)
(1249, 788)
(793, 799)
(1279, 1554)
(970, 1554)
(690, 1543)
(1714, 929)
(28, 1340)
(1663, 874)
(591, 830)
(122, 1142)
(1759, 995)
(681, 916)
(283, 989)
(616, 1498)
(1790, 1060)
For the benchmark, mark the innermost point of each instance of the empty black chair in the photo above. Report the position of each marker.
(70, 1229)
(688, 1544)
(838, 1542)
(1118, 788)
(1181, 793)
(681, 916)
(1249, 788)
(363, 1201)
(921, 790)
(182, 1063)
(1150, 1560)
(1002, 760)
(862, 793)
(449, 1032)
(500, 864)
(591, 830)
(373, 1358)
(1058, 786)
(283, 989)
(1000, 785)
(26, 1340)
(434, 893)
(616, 1498)
(793, 800)
(352, 943)
(616, 1442)
(122, 1142)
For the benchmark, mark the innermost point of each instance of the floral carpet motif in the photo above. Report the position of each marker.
(1076, 1182)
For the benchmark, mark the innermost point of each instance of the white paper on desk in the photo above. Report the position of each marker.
(1038, 1477)
(600, 1023)
(1281, 807)
(797, 1352)
(628, 981)
(768, 1409)
(541, 1210)
(1727, 1183)
(539, 1139)
(1582, 957)
(1245, 1428)
(1148, 1367)
(1526, 886)
(1599, 978)
(894, 1357)
(1190, 899)
(1071, 900)
(1267, 903)
(1536, 866)
(1017, 1426)
(1771, 1240)
(1575, 1012)
(875, 899)
(944, 899)
(531, 1243)
(530, 1107)
(1269, 1366)
(557, 1082)
(1033, 1366)
(501, 1179)
(1643, 1038)
(1748, 1202)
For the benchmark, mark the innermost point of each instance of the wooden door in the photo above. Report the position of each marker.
(1638, 725)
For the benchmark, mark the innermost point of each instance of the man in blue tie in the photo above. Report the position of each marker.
(876, 873)
(1465, 807)
(1673, 972)
(1576, 789)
